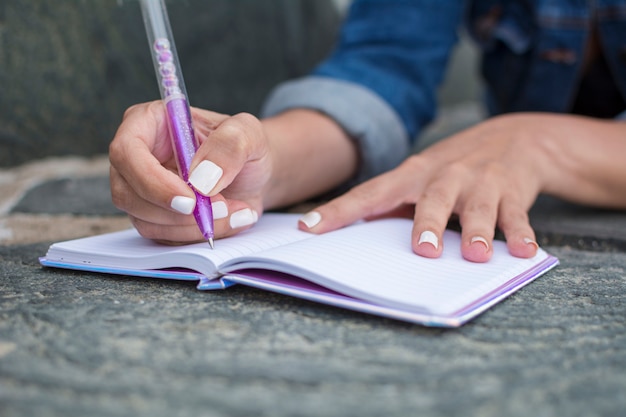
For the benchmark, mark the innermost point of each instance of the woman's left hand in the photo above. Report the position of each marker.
(489, 176)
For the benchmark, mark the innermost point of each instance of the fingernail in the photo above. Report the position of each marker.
(311, 219)
(481, 240)
(244, 217)
(205, 176)
(220, 210)
(182, 204)
(530, 241)
(429, 237)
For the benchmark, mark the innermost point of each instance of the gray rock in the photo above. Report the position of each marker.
(76, 344)
(80, 196)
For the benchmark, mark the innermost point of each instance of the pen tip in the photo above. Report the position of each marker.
(211, 243)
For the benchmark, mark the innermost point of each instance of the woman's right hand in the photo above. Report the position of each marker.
(232, 166)
(243, 164)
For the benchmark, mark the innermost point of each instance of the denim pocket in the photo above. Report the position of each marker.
(505, 33)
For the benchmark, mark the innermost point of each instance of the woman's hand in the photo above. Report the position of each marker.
(488, 176)
(232, 166)
(245, 165)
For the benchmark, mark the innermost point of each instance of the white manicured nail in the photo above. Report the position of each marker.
(311, 219)
(244, 217)
(182, 204)
(220, 210)
(205, 176)
(429, 237)
(481, 240)
(529, 241)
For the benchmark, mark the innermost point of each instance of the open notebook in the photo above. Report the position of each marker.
(368, 267)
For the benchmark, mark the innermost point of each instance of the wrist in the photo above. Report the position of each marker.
(310, 154)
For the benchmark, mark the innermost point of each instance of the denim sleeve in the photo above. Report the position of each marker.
(367, 119)
(380, 82)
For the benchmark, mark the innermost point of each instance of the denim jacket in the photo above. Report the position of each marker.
(381, 80)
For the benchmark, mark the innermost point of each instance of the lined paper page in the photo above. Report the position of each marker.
(374, 261)
(127, 249)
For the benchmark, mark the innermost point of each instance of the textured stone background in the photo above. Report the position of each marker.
(76, 344)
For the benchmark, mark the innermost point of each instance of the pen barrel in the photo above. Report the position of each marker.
(203, 213)
(184, 141)
(184, 144)
(174, 95)
(164, 55)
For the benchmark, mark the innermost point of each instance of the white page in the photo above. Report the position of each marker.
(374, 261)
(371, 260)
(128, 250)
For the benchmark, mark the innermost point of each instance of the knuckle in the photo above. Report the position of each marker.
(149, 230)
(437, 195)
(512, 218)
(234, 129)
(478, 208)
(414, 163)
(243, 131)
(456, 169)
(144, 229)
(120, 194)
(491, 170)
(119, 197)
(247, 119)
(135, 108)
(130, 110)
(115, 152)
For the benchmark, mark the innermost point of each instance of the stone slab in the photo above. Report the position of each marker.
(89, 196)
(76, 344)
(563, 223)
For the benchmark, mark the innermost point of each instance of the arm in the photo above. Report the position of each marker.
(380, 82)
(490, 175)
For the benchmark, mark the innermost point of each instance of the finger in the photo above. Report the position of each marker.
(221, 158)
(371, 199)
(478, 213)
(514, 223)
(205, 122)
(232, 216)
(137, 153)
(229, 218)
(178, 234)
(432, 212)
(127, 200)
(146, 211)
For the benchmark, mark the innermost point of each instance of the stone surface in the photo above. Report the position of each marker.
(75, 344)
(70, 69)
(78, 196)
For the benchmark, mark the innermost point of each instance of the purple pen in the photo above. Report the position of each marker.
(174, 95)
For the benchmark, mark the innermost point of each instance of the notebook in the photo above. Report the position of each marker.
(367, 267)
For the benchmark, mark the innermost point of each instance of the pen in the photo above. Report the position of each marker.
(174, 95)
